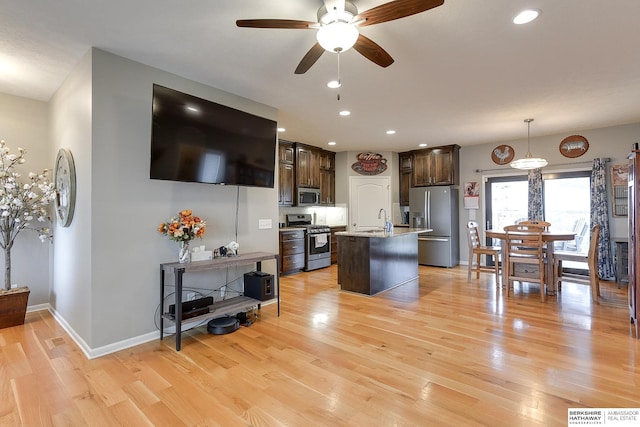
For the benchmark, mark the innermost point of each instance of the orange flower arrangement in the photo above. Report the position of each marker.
(184, 227)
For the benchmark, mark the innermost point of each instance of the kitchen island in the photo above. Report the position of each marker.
(370, 262)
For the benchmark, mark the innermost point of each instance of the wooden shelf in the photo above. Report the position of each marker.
(225, 307)
(221, 308)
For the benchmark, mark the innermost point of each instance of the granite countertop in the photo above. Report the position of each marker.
(302, 228)
(381, 233)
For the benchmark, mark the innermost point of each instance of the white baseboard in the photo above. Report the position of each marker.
(92, 353)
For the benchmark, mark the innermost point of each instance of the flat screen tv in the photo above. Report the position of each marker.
(196, 140)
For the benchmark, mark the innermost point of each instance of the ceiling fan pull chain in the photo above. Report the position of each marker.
(339, 80)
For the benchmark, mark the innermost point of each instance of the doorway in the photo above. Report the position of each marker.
(367, 195)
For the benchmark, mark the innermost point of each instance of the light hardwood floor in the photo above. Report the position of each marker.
(444, 352)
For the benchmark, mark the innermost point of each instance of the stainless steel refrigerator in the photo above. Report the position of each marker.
(436, 208)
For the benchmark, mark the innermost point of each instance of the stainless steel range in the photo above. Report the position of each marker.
(317, 241)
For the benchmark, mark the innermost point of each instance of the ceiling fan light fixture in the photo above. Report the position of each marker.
(528, 161)
(337, 37)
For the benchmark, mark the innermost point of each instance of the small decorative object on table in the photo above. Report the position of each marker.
(183, 228)
(232, 248)
(21, 202)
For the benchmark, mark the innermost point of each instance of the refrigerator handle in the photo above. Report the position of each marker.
(428, 209)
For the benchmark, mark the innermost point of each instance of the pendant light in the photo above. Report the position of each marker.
(528, 161)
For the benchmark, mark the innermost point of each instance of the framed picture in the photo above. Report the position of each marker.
(574, 146)
(620, 189)
(502, 154)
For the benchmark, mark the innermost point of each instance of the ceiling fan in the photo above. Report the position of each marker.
(338, 23)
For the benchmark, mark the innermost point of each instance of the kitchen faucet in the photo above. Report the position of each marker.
(388, 226)
(380, 214)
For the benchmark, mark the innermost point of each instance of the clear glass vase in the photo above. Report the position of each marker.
(185, 253)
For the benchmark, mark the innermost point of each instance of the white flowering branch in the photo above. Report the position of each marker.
(21, 203)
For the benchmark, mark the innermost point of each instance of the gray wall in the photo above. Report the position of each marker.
(106, 264)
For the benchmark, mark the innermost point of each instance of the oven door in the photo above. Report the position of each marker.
(319, 245)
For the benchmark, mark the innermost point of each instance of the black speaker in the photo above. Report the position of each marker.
(188, 306)
(259, 285)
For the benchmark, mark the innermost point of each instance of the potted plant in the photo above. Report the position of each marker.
(21, 202)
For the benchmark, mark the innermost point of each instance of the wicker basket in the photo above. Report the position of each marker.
(13, 306)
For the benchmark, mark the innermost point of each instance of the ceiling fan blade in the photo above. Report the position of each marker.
(372, 51)
(394, 10)
(310, 58)
(276, 23)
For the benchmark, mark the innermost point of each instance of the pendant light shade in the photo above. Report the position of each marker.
(528, 161)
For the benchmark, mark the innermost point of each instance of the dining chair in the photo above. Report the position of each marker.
(591, 258)
(580, 229)
(476, 250)
(536, 222)
(524, 247)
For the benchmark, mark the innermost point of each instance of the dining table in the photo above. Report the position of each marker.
(549, 237)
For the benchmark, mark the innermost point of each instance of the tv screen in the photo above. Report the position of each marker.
(196, 140)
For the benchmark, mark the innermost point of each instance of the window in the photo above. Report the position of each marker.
(566, 200)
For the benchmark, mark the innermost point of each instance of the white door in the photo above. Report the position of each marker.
(367, 195)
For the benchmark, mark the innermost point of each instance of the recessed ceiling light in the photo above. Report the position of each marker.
(345, 113)
(331, 143)
(391, 132)
(333, 84)
(526, 16)
(422, 145)
(281, 129)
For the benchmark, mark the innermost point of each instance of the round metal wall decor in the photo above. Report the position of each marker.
(65, 181)
(574, 146)
(502, 154)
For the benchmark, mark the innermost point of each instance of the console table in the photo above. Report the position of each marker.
(228, 306)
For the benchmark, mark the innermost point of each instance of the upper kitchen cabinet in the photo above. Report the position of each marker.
(327, 160)
(436, 166)
(286, 152)
(286, 173)
(327, 178)
(307, 166)
(406, 176)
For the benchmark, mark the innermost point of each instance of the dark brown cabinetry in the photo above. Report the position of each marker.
(286, 173)
(327, 177)
(405, 161)
(436, 166)
(634, 234)
(291, 251)
(307, 166)
(334, 242)
(327, 160)
(286, 152)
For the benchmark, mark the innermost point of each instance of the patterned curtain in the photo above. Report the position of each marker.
(535, 195)
(600, 215)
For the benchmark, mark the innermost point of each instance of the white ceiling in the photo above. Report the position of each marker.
(463, 73)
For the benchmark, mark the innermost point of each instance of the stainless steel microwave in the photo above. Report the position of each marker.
(308, 197)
